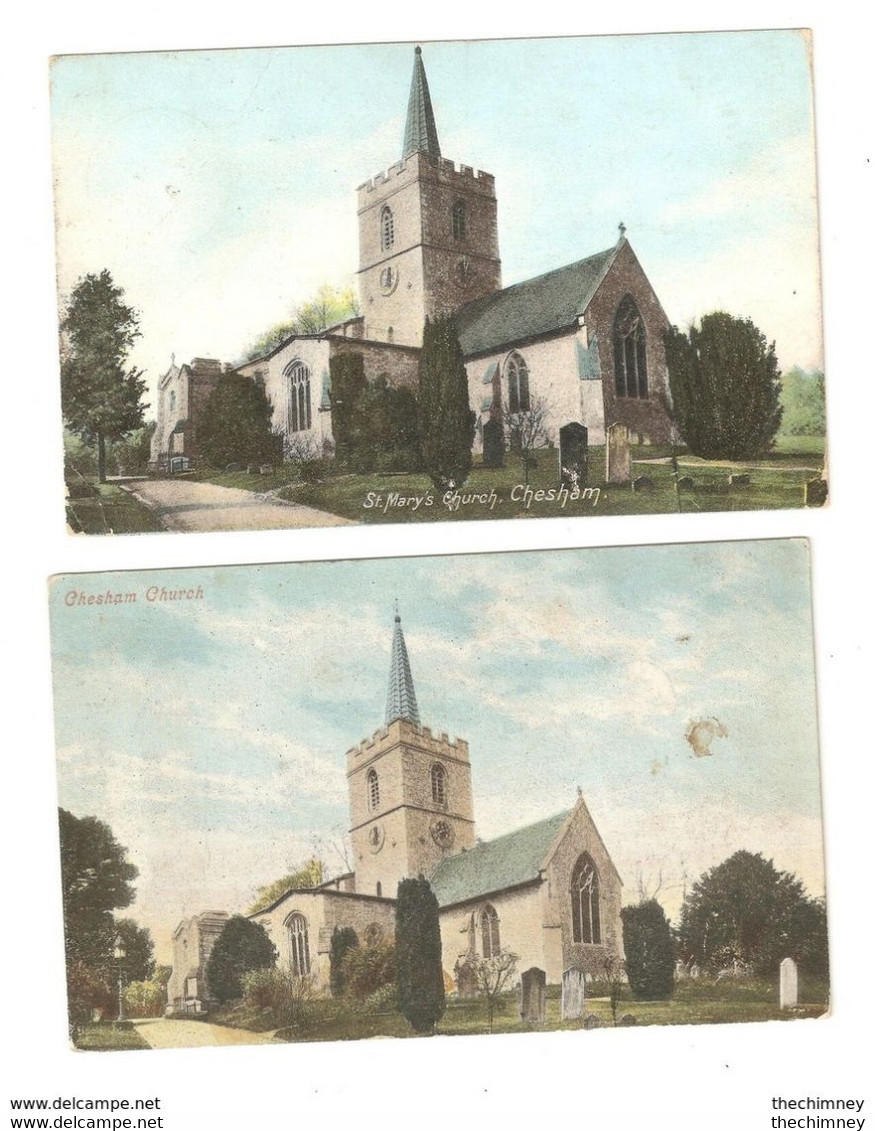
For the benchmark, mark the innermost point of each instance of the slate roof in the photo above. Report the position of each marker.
(493, 865)
(420, 131)
(537, 306)
(401, 699)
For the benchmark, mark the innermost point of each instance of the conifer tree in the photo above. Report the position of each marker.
(236, 423)
(446, 422)
(649, 948)
(343, 939)
(420, 975)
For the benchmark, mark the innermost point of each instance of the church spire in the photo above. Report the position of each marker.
(401, 700)
(420, 133)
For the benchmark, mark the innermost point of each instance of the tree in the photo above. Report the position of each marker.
(139, 959)
(237, 423)
(367, 969)
(725, 387)
(420, 975)
(746, 913)
(348, 382)
(96, 879)
(328, 306)
(491, 976)
(310, 874)
(527, 431)
(649, 947)
(446, 422)
(385, 431)
(242, 946)
(803, 398)
(343, 939)
(131, 455)
(101, 399)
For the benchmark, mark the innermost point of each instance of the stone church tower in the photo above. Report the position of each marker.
(409, 791)
(428, 232)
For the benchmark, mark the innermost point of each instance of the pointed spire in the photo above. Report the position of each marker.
(401, 700)
(420, 133)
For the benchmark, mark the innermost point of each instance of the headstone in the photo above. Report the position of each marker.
(265, 469)
(533, 995)
(573, 458)
(739, 480)
(816, 491)
(493, 443)
(642, 483)
(466, 983)
(573, 994)
(618, 458)
(686, 481)
(694, 971)
(592, 1021)
(789, 984)
(628, 1019)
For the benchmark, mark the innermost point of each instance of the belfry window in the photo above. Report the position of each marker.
(630, 351)
(299, 413)
(439, 785)
(373, 790)
(299, 945)
(517, 374)
(585, 915)
(387, 228)
(459, 221)
(490, 943)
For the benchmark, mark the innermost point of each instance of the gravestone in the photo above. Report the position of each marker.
(618, 458)
(741, 479)
(533, 995)
(789, 984)
(592, 1021)
(493, 443)
(642, 483)
(466, 983)
(573, 994)
(573, 458)
(686, 481)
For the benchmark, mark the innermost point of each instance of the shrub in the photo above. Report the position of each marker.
(343, 939)
(368, 969)
(287, 996)
(649, 948)
(243, 945)
(144, 999)
(88, 990)
(446, 422)
(421, 995)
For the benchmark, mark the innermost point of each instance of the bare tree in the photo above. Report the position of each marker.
(527, 431)
(491, 976)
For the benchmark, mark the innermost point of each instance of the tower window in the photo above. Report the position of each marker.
(373, 790)
(172, 402)
(489, 938)
(459, 220)
(439, 785)
(387, 228)
(517, 374)
(585, 914)
(630, 351)
(299, 945)
(299, 413)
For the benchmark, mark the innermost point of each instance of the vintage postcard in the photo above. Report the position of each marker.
(457, 280)
(466, 794)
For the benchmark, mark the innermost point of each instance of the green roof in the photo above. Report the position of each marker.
(420, 131)
(493, 865)
(537, 306)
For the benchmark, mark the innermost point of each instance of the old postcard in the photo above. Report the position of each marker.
(462, 280)
(381, 798)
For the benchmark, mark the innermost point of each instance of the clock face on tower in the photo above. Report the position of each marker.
(465, 272)
(442, 833)
(376, 836)
(388, 280)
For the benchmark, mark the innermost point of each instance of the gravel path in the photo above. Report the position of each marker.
(161, 1033)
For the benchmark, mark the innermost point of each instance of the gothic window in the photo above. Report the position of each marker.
(585, 917)
(172, 402)
(299, 415)
(379, 888)
(373, 790)
(517, 374)
(374, 934)
(439, 785)
(299, 945)
(490, 943)
(459, 220)
(630, 351)
(387, 228)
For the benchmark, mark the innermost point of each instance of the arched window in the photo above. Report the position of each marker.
(630, 351)
(390, 334)
(439, 785)
(517, 374)
(373, 790)
(585, 916)
(379, 888)
(374, 933)
(299, 414)
(299, 945)
(459, 220)
(387, 228)
(490, 943)
(172, 402)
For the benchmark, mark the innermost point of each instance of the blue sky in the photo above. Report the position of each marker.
(218, 186)
(211, 734)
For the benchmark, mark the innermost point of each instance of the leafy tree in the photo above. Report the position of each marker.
(367, 969)
(348, 383)
(328, 306)
(101, 399)
(725, 387)
(343, 939)
(88, 990)
(528, 431)
(385, 430)
(145, 998)
(491, 976)
(803, 398)
(236, 423)
(96, 879)
(243, 945)
(446, 422)
(420, 976)
(745, 912)
(649, 947)
(310, 874)
(131, 455)
(139, 960)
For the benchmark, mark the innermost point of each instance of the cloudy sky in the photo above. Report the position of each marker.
(673, 684)
(218, 186)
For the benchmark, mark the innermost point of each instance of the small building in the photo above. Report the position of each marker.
(182, 393)
(188, 990)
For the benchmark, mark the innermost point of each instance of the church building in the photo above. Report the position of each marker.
(580, 343)
(548, 893)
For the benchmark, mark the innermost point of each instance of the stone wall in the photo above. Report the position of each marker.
(520, 928)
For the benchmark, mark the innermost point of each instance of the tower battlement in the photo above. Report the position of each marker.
(427, 167)
(401, 730)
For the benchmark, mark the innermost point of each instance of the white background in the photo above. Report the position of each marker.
(719, 1077)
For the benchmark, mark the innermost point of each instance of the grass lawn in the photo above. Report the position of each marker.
(107, 1036)
(110, 511)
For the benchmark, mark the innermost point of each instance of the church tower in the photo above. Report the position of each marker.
(428, 231)
(409, 791)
